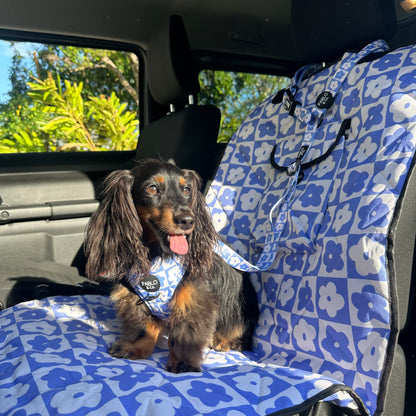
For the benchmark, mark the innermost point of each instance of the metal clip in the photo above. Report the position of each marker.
(294, 166)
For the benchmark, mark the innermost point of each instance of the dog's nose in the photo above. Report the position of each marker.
(184, 220)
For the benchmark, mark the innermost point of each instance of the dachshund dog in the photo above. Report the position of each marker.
(156, 209)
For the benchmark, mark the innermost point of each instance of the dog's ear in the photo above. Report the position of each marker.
(194, 180)
(204, 236)
(113, 242)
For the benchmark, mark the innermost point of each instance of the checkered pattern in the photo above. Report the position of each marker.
(326, 301)
(55, 361)
(168, 274)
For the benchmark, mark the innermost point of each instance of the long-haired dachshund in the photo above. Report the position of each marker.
(156, 209)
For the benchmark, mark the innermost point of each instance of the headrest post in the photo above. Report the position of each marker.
(191, 99)
(171, 108)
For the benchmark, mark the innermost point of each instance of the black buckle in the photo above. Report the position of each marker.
(290, 103)
(148, 298)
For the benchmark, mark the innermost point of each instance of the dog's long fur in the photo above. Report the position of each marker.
(213, 306)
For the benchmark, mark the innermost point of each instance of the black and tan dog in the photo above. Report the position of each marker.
(156, 209)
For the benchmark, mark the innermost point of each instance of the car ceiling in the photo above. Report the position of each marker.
(259, 28)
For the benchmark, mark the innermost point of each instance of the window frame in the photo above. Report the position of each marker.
(86, 161)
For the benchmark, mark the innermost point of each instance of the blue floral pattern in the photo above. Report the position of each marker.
(325, 304)
(326, 299)
(40, 374)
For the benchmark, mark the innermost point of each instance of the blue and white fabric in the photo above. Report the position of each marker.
(55, 361)
(156, 289)
(322, 279)
(326, 300)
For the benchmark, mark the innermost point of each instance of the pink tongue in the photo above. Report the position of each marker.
(178, 244)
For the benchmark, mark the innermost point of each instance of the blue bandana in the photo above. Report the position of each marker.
(156, 289)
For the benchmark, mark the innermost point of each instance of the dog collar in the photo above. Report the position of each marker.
(157, 288)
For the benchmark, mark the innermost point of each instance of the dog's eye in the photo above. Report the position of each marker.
(152, 189)
(187, 190)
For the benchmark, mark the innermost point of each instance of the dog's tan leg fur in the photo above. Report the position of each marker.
(144, 346)
(230, 340)
(140, 330)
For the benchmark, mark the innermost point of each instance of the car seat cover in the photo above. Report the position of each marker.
(326, 300)
(328, 319)
(56, 361)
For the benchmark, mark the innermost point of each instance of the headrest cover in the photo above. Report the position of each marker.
(172, 73)
(324, 29)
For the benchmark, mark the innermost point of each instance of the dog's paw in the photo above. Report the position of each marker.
(122, 349)
(222, 344)
(181, 367)
(136, 350)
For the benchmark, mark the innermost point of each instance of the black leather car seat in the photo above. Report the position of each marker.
(188, 133)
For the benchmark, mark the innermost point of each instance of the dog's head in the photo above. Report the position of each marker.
(166, 201)
(154, 209)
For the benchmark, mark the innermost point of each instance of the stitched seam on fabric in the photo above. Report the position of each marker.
(394, 304)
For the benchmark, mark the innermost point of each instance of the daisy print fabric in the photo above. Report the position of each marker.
(304, 199)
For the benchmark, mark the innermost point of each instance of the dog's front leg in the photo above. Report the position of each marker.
(139, 329)
(192, 325)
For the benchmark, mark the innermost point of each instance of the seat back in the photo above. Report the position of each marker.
(329, 302)
(188, 133)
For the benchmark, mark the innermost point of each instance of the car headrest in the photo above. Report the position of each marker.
(324, 29)
(172, 72)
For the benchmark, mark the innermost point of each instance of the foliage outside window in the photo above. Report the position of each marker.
(236, 94)
(65, 98)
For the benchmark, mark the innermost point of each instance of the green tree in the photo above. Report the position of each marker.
(18, 114)
(68, 98)
(101, 70)
(94, 123)
(236, 94)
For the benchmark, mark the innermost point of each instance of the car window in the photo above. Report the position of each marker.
(60, 98)
(236, 94)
